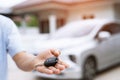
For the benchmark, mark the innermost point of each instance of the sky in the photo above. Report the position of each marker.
(9, 3)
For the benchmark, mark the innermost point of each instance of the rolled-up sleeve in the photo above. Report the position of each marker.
(14, 42)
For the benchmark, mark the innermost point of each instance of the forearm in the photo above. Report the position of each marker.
(25, 61)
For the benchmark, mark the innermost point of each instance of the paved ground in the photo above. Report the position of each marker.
(111, 74)
(16, 74)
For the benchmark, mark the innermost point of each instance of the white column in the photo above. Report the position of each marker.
(23, 23)
(52, 24)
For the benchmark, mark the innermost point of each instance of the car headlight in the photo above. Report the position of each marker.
(73, 58)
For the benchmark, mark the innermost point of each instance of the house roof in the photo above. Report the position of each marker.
(29, 3)
(32, 6)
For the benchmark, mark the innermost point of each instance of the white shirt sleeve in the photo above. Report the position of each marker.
(14, 42)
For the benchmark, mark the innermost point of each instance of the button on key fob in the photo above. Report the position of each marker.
(51, 61)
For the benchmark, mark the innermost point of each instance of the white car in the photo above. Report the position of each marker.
(87, 46)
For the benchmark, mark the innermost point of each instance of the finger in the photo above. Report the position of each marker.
(44, 70)
(63, 63)
(55, 71)
(55, 52)
(60, 67)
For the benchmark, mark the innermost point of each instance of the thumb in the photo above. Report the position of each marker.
(55, 52)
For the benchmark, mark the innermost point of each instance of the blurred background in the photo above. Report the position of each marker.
(64, 24)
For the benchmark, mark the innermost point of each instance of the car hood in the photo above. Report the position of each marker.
(40, 45)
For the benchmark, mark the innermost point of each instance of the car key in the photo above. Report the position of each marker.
(52, 61)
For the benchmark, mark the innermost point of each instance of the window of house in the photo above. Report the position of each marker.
(91, 17)
(88, 17)
(84, 17)
(45, 28)
(60, 23)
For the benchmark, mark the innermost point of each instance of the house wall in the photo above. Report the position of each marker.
(104, 11)
(44, 17)
(117, 10)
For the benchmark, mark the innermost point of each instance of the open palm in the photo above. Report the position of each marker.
(50, 70)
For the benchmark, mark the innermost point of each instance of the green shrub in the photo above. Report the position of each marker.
(18, 23)
(33, 22)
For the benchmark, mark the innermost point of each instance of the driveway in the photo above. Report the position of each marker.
(16, 74)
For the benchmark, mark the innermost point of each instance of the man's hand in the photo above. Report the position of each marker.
(28, 62)
(39, 62)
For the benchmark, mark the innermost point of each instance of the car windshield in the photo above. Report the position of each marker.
(73, 30)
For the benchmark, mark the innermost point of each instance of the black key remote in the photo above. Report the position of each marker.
(52, 61)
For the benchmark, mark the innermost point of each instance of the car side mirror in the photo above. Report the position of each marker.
(103, 35)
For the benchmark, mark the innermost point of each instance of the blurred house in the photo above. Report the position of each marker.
(52, 14)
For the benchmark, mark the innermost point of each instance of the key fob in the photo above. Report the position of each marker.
(52, 61)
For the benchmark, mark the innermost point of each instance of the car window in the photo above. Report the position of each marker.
(112, 28)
